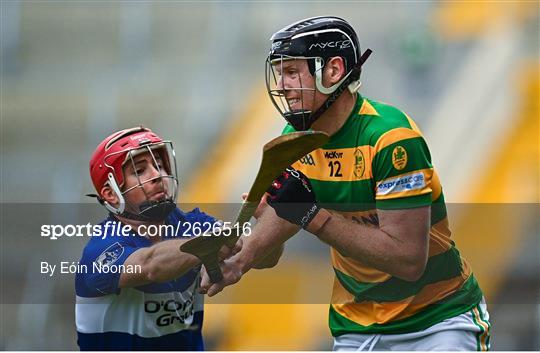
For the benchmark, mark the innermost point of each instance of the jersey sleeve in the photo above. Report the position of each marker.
(402, 170)
(102, 257)
(196, 221)
(196, 215)
(288, 129)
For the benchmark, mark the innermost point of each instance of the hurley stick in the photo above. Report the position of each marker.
(278, 154)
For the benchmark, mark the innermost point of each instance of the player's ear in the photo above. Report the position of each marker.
(107, 194)
(334, 70)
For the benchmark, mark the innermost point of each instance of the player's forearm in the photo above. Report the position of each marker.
(160, 263)
(374, 247)
(168, 262)
(264, 246)
(271, 259)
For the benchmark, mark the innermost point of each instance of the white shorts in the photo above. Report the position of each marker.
(469, 331)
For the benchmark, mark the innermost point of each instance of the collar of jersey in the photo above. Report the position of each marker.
(349, 121)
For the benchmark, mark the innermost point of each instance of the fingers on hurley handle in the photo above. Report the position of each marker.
(215, 274)
(207, 251)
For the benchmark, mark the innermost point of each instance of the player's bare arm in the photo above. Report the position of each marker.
(265, 245)
(268, 258)
(398, 247)
(159, 263)
(165, 261)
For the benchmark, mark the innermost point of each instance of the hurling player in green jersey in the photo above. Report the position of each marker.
(372, 194)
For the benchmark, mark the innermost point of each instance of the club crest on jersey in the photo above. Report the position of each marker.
(399, 157)
(359, 163)
(110, 255)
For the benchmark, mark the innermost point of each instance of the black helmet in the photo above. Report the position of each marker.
(315, 39)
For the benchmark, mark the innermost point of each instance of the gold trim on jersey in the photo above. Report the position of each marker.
(369, 312)
(413, 125)
(435, 186)
(339, 164)
(340, 295)
(367, 109)
(355, 269)
(439, 237)
(393, 136)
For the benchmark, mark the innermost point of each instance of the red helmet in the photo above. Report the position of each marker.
(108, 159)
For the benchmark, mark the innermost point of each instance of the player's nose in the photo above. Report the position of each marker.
(155, 172)
(280, 84)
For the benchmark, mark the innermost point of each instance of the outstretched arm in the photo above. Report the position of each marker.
(160, 263)
(165, 261)
(271, 258)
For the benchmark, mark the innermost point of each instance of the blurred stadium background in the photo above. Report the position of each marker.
(73, 72)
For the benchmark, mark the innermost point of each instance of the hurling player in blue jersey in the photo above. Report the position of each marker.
(140, 292)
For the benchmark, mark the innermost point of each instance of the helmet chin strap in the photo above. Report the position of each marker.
(149, 211)
(156, 210)
(121, 208)
(300, 120)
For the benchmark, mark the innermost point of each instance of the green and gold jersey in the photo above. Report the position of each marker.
(379, 160)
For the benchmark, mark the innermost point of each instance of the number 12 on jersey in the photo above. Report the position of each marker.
(335, 166)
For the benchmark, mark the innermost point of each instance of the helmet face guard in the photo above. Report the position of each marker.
(315, 40)
(275, 70)
(159, 170)
(136, 161)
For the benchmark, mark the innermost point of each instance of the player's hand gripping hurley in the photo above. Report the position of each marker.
(278, 154)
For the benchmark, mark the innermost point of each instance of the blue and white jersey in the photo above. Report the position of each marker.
(155, 316)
